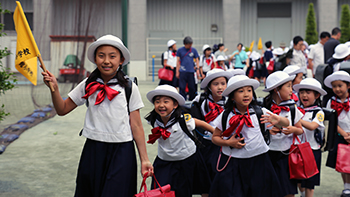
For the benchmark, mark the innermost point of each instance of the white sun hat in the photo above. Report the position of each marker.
(276, 79)
(220, 58)
(166, 90)
(292, 70)
(239, 81)
(338, 75)
(237, 71)
(213, 74)
(171, 43)
(205, 47)
(341, 51)
(108, 40)
(278, 51)
(311, 84)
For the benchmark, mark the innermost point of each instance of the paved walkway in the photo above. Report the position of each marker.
(44, 160)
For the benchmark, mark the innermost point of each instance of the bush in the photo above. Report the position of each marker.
(311, 35)
(344, 23)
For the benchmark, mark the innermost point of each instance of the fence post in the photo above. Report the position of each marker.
(153, 56)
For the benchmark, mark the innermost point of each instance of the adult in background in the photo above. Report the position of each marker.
(298, 55)
(169, 62)
(316, 55)
(330, 45)
(187, 65)
(221, 50)
(241, 57)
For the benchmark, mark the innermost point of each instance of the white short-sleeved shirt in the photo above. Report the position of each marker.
(344, 117)
(317, 56)
(255, 143)
(171, 60)
(203, 63)
(310, 135)
(299, 60)
(280, 141)
(108, 121)
(178, 146)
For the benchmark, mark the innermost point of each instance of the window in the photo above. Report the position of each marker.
(9, 24)
(283, 10)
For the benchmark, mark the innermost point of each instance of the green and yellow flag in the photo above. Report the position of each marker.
(251, 46)
(260, 46)
(26, 50)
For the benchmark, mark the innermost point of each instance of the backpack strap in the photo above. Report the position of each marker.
(128, 90)
(265, 133)
(292, 112)
(224, 119)
(188, 133)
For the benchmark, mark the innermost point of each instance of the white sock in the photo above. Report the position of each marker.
(302, 194)
(346, 185)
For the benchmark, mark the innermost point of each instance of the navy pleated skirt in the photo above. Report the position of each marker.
(313, 181)
(107, 169)
(186, 177)
(210, 155)
(280, 163)
(249, 177)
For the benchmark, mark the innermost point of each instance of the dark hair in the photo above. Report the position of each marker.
(325, 34)
(239, 44)
(297, 39)
(268, 99)
(335, 31)
(120, 75)
(188, 40)
(268, 44)
(151, 116)
(207, 49)
(317, 101)
(230, 104)
(220, 45)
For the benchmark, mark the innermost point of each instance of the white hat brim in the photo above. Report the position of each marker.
(92, 48)
(335, 77)
(242, 83)
(161, 92)
(211, 77)
(290, 78)
(336, 56)
(297, 87)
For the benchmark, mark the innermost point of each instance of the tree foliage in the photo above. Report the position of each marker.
(344, 23)
(311, 35)
(7, 78)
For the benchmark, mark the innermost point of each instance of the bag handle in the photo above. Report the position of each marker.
(217, 164)
(143, 184)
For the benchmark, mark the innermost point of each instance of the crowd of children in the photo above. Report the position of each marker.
(227, 144)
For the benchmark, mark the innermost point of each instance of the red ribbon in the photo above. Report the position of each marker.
(105, 90)
(238, 121)
(208, 61)
(215, 110)
(157, 133)
(340, 106)
(277, 109)
(174, 54)
(301, 110)
(294, 97)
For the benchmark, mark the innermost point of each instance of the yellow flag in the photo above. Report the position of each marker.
(260, 46)
(26, 50)
(251, 46)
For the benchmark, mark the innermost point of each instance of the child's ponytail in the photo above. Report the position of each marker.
(268, 100)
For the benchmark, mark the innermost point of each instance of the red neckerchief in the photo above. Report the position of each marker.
(215, 110)
(301, 110)
(294, 97)
(105, 90)
(174, 54)
(340, 106)
(277, 109)
(157, 133)
(238, 121)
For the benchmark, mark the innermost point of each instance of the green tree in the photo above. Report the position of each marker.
(344, 23)
(311, 35)
(7, 79)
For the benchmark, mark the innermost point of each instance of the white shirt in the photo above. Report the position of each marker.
(109, 121)
(280, 141)
(171, 60)
(317, 56)
(299, 59)
(178, 146)
(255, 143)
(319, 118)
(203, 63)
(343, 118)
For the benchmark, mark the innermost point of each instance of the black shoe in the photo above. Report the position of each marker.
(347, 194)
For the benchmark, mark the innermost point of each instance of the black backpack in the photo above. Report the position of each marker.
(162, 59)
(281, 62)
(192, 135)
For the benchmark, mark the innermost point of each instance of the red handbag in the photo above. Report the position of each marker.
(343, 159)
(165, 74)
(159, 192)
(302, 164)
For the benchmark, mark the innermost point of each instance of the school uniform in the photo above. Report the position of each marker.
(344, 123)
(279, 149)
(207, 63)
(171, 58)
(249, 171)
(178, 162)
(108, 161)
(314, 143)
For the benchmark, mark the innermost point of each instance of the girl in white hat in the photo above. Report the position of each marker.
(178, 162)
(169, 62)
(244, 167)
(207, 60)
(340, 83)
(279, 86)
(310, 91)
(294, 70)
(108, 162)
(220, 63)
(207, 106)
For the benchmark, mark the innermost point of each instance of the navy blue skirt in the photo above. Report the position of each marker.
(186, 177)
(249, 177)
(107, 169)
(310, 183)
(210, 155)
(280, 164)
